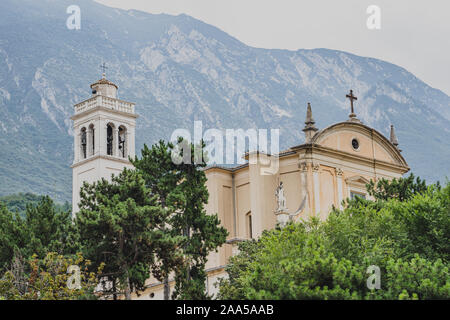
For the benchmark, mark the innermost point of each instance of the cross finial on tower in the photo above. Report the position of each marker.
(103, 67)
(351, 97)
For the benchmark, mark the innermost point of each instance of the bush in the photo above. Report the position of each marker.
(408, 239)
(48, 279)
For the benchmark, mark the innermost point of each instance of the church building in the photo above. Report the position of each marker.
(332, 164)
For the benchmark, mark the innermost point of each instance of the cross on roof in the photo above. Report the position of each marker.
(351, 97)
(103, 67)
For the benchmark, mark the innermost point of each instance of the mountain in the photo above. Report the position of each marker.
(178, 69)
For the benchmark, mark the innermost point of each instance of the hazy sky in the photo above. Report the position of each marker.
(414, 34)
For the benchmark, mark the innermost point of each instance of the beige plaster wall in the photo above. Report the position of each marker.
(321, 177)
(368, 147)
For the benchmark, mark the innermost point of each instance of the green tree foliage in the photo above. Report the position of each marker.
(121, 224)
(40, 230)
(19, 202)
(149, 221)
(12, 235)
(181, 187)
(407, 237)
(419, 225)
(161, 177)
(48, 279)
(234, 287)
(293, 263)
(401, 189)
(49, 230)
(417, 278)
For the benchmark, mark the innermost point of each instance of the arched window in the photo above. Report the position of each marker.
(83, 143)
(248, 220)
(92, 139)
(109, 139)
(122, 139)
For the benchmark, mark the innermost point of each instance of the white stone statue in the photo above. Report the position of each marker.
(281, 199)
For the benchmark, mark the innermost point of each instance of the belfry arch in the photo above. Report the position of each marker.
(83, 143)
(110, 139)
(91, 140)
(122, 142)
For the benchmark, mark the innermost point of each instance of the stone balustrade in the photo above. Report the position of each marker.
(106, 102)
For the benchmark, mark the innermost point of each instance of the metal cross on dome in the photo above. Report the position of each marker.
(351, 97)
(103, 67)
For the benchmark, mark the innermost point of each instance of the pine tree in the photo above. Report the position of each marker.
(121, 224)
(161, 177)
(401, 189)
(12, 235)
(49, 230)
(41, 229)
(182, 188)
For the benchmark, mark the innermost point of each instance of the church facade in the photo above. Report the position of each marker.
(333, 164)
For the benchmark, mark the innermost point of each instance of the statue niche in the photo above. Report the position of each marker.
(281, 199)
(281, 212)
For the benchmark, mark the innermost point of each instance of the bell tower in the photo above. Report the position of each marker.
(104, 136)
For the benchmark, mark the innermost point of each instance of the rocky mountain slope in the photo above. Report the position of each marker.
(178, 69)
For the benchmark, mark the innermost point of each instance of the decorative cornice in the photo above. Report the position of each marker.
(226, 169)
(357, 181)
(99, 156)
(100, 108)
(104, 81)
(342, 155)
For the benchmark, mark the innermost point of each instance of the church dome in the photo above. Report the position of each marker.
(103, 81)
(104, 87)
